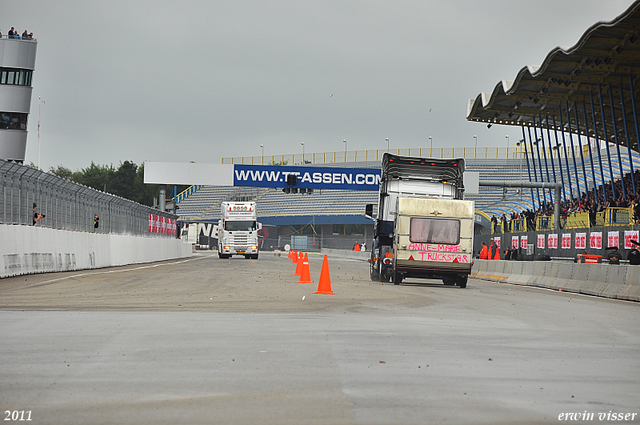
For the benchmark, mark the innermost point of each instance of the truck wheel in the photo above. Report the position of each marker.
(462, 281)
(374, 274)
(255, 256)
(247, 257)
(397, 278)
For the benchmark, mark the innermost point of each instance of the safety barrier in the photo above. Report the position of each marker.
(376, 155)
(612, 216)
(28, 250)
(602, 280)
(577, 220)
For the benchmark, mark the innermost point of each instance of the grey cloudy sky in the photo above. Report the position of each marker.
(201, 80)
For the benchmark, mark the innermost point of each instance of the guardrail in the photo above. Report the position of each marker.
(376, 155)
(70, 206)
(612, 216)
(601, 280)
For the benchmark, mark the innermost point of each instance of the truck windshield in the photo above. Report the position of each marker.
(246, 226)
(435, 231)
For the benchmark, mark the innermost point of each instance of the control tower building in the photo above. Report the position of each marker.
(17, 62)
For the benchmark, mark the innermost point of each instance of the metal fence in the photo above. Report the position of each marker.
(376, 155)
(70, 206)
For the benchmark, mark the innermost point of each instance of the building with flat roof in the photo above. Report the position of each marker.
(17, 63)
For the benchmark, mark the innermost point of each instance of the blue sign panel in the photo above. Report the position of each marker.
(307, 177)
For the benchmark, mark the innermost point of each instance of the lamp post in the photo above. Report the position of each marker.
(302, 143)
(387, 139)
(431, 141)
(40, 101)
(262, 147)
(507, 137)
(345, 150)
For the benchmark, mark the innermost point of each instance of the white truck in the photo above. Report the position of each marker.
(237, 230)
(423, 228)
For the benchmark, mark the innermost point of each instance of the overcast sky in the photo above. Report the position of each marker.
(201, 80)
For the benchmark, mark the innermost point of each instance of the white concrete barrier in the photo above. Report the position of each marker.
(29, 249)
(603, 280)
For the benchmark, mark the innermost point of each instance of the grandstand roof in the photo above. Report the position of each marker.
(601, 65)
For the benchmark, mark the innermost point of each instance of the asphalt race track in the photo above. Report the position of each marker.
(210, 341)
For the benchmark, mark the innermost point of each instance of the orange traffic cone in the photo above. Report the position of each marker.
(324, 285)
(294, 257)
(299, 266)
(305, 275)
(289, 255)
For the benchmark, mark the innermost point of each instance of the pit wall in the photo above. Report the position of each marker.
(602, 280)
(28, 250)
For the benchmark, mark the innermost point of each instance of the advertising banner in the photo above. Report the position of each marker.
(541, 241)
(159, 224)
(523, 242)
(308, 177)
(613, 239)
(552, 241)
(595, 240)
(515, 242)
(496, 239)
(581, 240)
(630, 235)
(566, 241)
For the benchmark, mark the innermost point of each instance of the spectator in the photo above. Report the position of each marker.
(36, 216)
(484, 252)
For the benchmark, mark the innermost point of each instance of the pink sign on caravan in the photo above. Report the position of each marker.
(595, 240)
(631, 235)
(566, 241)
(613, 239)
(541, 241)
(552, 241)
(581, 240)
(523, 242)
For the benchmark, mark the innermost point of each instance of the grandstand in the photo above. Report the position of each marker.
(340, 207)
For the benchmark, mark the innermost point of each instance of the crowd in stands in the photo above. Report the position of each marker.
(590, 201)
(13, 33)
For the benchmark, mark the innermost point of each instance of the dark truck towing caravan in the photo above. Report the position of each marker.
(424, 228)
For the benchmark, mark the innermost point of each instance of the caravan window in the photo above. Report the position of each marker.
(435, 231)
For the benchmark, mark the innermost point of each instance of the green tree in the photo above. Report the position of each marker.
(123, 179)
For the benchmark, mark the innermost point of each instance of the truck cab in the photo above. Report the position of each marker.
(237, 230)
(423, 228)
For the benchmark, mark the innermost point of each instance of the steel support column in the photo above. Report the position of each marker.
(593, 170)
(606, 141)
(535, 174)
(522, 184)
(595, 131)
(555, 132)
(566, 155)
(524, 143)
(573, 150)
(584, 170)
(626, 133)
(615, 137)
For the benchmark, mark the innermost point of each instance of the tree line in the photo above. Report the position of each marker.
(126, 181)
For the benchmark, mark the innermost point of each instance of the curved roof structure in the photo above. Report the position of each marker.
(595, 81)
